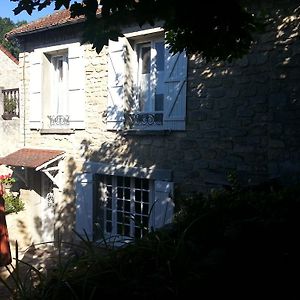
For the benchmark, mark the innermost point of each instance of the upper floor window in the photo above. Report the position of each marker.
(57, 88)
(146, 84)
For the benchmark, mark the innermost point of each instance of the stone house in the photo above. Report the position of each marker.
(107, 138)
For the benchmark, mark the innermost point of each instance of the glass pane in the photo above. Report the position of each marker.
(127, 230)
(145, 184)
(108, 227)
(160, 56)
(120, 204)
(145, 197)
(138, 233)
(108, 203)
(120, 217)
(127, 193)
(120, 193)
(109, 180)
(127, 206)
(159, 102)
(126, 218)
(108, 214)
(146, 59)
(145, 209)
(138, 183)
(145, 221)
(119, 181)
(138, 221)
(137, 207)
(138, 196)
(109, 189)
(127, 181)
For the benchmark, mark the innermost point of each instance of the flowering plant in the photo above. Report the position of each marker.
(7, 179)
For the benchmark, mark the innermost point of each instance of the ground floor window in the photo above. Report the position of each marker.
(122, 206)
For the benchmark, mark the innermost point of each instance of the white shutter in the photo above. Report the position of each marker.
(164, 206)
(116, 80)
(35, 90)
(175, 90)
(84, 205)
(76, 80)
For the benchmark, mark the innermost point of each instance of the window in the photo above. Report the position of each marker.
(146, 84)
(122, 207)
(119, 208)
(56, 108)
(56, 91)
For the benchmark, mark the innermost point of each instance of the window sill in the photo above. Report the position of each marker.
(57, 131)
(141, 132)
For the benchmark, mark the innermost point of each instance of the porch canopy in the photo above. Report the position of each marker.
(38, 159)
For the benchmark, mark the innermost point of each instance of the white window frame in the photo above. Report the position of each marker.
(108, 209)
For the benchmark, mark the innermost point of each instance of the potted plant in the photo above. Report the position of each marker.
(7, 181)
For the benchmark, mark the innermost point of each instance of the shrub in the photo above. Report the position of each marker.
(13, 204)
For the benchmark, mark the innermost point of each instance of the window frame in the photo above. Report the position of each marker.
(101, 211)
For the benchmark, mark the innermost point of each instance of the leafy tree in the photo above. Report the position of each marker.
(6, 25)
(216, 29)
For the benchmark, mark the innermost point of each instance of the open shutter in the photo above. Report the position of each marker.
(116, 79)
(84, 204)
(35, 90)
(175, 90)
(164, 205)
(76, 79)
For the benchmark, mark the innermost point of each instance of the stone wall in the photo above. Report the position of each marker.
(242, 117)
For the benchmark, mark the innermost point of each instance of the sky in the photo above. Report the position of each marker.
(6, 11)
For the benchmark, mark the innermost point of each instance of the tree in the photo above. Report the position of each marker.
(216, 29)
(6, 25)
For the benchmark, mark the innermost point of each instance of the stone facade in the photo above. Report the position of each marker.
(242, 117)
(9, 79)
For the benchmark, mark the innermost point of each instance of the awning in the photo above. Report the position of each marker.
(38, 159)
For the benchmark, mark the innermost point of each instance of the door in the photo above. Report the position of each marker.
(48, 209)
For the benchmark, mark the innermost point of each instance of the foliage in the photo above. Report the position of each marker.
(238, 244)
(218, 30)
(7, 25)
(13, 203)
(10, 104)
(7, 179)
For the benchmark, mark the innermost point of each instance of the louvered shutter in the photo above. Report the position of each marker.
(76, 80)
(116, 80)
(84, 204)
(164, 205)
(175, 90)
(35, 90)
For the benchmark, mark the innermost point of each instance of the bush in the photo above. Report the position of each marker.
(238, 244)
(13, 204)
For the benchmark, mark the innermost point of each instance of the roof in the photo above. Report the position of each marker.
(31, 158)
(8, 54)
(59, 18)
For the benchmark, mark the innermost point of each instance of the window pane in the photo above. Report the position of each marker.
(127, 206)
(146, 59)
(137, 207)
(145, 183)
(120, 204)
(146, 197)
(138, 196)
(138, 183)
(108, 203)
(119, 181)
(127, 181)
(145, 209)
(120, 193)
(127, 193)
(109, 180)
(159, 102)
(108, 215)
(108, 226)
(160, 56)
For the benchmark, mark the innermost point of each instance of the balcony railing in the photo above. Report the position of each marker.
(59, 120)
(11, 103)
(144, 120)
